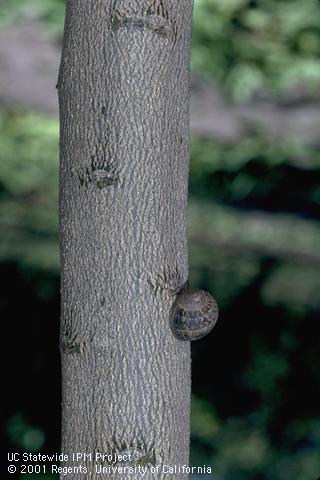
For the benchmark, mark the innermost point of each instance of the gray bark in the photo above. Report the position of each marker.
(123, 96)
(29, 61)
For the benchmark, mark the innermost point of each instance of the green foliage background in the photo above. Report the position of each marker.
(254, 241)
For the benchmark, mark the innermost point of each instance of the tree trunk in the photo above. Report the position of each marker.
(123, 95)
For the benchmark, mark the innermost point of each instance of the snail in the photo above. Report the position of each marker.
(193, 314)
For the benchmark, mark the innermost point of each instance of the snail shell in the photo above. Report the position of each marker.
(193, 314)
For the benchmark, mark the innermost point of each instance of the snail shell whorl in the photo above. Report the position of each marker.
(193, 314)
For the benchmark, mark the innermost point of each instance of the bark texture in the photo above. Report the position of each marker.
(123, 96)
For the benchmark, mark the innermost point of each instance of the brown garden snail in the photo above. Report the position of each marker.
(193, 314)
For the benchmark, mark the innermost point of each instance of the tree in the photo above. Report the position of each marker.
(123, 95)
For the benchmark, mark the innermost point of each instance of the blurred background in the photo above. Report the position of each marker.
(254, 233)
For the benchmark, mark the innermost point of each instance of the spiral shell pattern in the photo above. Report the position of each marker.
(193, 314)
